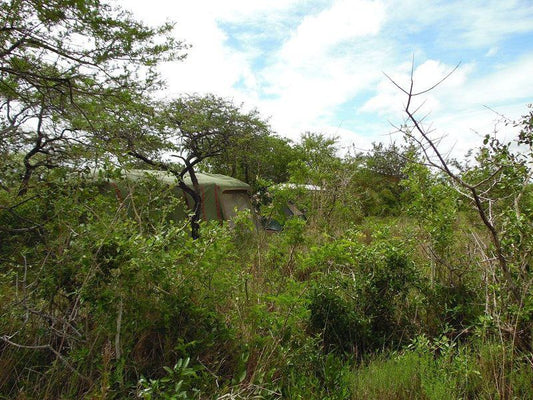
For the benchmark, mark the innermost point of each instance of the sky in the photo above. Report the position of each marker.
(320, 65)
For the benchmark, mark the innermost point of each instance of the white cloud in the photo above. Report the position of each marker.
(491, 52)
(157, 11)
(347, 140)
(312, 75)
(484, 23)
(511, 82)
(390, 101)
(462, 24)
(306, 80)
(211, 65)
(457, 106)
(324, 54)
(346, 19)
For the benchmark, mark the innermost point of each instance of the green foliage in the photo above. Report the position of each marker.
(433, 203)
(299, 314)
(317, 376)
(362, 303)
(441, 369)
(388, 160)
(255, 155)
(318, 160)
(59, 99)
(389, 378)
(206, 125)
(175, 385)
(102, 290)
(108, 279)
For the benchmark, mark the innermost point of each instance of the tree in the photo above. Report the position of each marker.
(60, 61)
(258, 154)
(496, 189)
(317, 162)
(388, 161)
(191, 129)
(63, 65)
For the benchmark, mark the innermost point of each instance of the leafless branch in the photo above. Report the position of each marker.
(7, 339)
(427, 144)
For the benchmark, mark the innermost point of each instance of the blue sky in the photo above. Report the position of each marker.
(318, 65)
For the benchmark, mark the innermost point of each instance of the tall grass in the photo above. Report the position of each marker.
(468, 371)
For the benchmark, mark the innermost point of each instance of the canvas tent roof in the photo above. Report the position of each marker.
(204, 179)
(221, 195)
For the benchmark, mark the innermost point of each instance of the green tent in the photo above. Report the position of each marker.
(222, 196)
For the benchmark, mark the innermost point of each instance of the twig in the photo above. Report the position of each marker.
(7, 339)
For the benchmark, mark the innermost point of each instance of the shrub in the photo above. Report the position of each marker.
(362, 303)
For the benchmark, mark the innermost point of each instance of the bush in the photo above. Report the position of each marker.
(362, 303)
(105, 295)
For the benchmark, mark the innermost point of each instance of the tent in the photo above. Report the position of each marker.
(222, 196)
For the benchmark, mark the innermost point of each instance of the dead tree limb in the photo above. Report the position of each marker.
(430, 148)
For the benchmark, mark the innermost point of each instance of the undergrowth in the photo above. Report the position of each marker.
(110, 300)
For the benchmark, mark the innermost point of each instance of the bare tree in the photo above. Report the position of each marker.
(474, 187)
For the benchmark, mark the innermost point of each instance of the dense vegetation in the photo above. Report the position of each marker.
(409, 278)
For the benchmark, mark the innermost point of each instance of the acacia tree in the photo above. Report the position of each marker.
(191, 129)
(254, 155)
(388, 160)
(61, 60)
